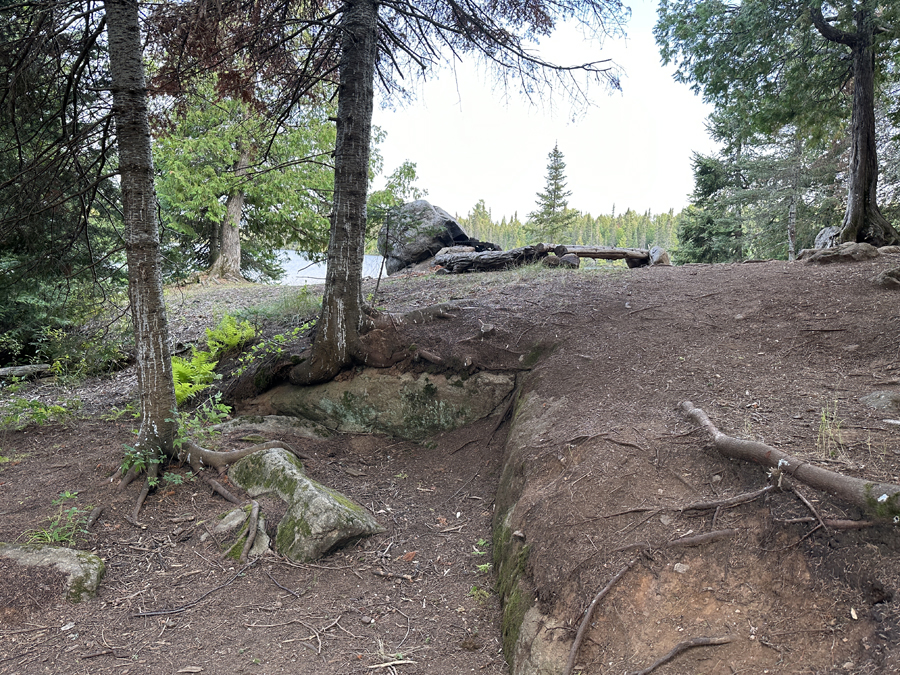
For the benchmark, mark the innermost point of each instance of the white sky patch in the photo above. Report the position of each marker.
(471, 140)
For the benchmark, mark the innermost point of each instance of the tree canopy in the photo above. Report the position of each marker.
(770, 65)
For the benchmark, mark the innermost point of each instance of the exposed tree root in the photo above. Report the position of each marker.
(251, 530)
(882, 499)
(684, 646)
(588, 613)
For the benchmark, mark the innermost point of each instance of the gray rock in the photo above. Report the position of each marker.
(827, 237)
(416, 231)
(886, 250)
(407, 406)
(273, 425)
(847, 252)
(84, 570)
(882, 400)
(659, 256)
(318, 518)
(888, 278)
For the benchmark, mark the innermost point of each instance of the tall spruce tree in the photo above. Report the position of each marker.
(552, 217)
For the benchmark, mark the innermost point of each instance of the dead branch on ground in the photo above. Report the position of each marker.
(588, 613)
(882, 499)
(684, 646)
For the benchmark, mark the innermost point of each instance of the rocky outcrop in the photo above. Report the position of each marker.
(318, 519)
(407, 406)
(83, 570)
(847, 252)
(416, 231)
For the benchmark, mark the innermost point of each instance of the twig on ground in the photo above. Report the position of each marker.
(833, 523)
(178, 610)
(588, 613)
(809, 506)
(391, 663)
(729, 501)
(684, 646)
(464, 485)
(294, 593)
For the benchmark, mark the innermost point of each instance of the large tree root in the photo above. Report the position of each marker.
(199, 458)
(881, 499)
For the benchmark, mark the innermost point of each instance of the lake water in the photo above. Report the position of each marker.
(299, 271)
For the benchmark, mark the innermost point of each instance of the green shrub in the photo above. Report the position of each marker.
(229, 336)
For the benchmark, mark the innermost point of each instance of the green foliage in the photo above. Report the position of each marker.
(399, 189)
(553, 216)
(271, 348)
(197, 424)
(19, 412)
(193, 375)
(287, 190)
(628, 229)
(228, 336)
(139, 459)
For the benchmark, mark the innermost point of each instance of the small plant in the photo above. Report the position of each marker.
(197, 423)
(272, 347)
(830, 441)
(63, 496)
(64, 528)
(484, 569)
(478, 546)
(479, 594)
(138, 459)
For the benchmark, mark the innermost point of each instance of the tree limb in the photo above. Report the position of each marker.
(828, 31)
(882, 499)
(684, 646)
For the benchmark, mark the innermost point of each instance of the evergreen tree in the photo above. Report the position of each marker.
(553, 217)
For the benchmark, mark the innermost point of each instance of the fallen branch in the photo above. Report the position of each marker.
(728, 502)
(588, 613)
(883, 499)
(684, 646)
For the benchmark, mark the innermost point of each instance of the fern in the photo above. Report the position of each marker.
(193, 375)
(228, 336)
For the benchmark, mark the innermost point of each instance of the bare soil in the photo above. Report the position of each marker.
(766, 349)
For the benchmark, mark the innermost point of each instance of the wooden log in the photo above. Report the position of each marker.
(491, 261)
(604, 252)
(24, 371)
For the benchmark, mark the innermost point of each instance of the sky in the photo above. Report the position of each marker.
(470, 140)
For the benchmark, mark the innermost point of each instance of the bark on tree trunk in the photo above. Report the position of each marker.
(227, 264)
(145, 290)
(863, 221)
(337, 343)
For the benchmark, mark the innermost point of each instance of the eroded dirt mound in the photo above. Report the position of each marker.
(600, 466)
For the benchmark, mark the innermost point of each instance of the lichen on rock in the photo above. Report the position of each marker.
(318, 518)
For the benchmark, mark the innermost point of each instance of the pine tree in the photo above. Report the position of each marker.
(553, 216)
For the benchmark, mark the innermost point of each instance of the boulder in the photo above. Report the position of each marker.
(416, 231)
(84, 570)
(407, 406)
(888, 278)
(570, 260)
(886, 250)
(847, 252)
(318, 519)
(659, 256)
(882, 400)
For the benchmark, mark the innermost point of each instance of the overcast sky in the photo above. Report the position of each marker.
(631, 149)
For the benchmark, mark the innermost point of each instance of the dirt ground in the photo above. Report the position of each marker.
(768, 350)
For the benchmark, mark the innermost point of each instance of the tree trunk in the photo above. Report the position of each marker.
(337, 343)
(227, 263)
(148, 310)
(863, 221)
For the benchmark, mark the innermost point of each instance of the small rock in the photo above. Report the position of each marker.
(366, 619)
(681, 568)
(665, 520)
(882, 400)
(888, 278)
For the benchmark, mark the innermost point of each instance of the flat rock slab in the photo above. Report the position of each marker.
(318, 518)
(83, 570)
(882, 400)
(407, 406)
(272, 426)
